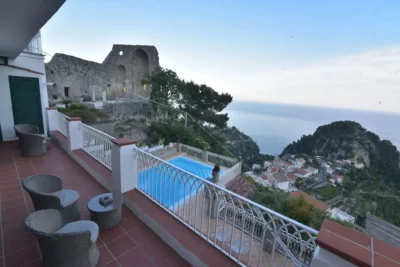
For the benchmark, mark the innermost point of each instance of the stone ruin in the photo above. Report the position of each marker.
(119, 75)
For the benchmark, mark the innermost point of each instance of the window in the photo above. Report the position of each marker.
(66, 91)
(3, 61)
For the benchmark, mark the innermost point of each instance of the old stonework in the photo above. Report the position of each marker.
(119, 75)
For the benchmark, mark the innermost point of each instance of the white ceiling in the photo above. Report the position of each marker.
(20, 20)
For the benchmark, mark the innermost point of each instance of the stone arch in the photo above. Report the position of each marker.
(140, 70)
(120, 74)
(120, 77)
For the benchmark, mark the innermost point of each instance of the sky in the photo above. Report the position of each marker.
(322, 53)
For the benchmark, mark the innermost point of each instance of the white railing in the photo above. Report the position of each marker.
(231, 173)
(35, 45)
(247, 232)
(221, 160)
(97, 144)
(62, 123)
(192, 151)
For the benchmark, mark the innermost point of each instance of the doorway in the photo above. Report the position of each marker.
(26, 102)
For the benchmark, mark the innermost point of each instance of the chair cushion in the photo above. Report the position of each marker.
(79, 226)
(67, 196)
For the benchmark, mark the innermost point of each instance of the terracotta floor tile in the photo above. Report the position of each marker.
(134, 257)
(105, 256)
(157, 250)
(12, 195)
(18, 243)
(30, 254)
(130, 222)
(111, 234)
(120, 245)
(112, 264)
(142, 234)
(35, 263)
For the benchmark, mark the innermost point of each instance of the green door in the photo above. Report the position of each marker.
(25, 99)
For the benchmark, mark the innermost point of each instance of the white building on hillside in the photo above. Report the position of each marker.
(280, 180)
(341, 215)
(299, 162)
(302, 173)
(23, 88)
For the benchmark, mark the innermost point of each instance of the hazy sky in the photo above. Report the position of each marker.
(330, 53)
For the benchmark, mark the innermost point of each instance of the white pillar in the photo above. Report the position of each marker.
(74, 133)
(93, 95)
(52, 119)
(124, 167)
(104, 96)
(205, 155)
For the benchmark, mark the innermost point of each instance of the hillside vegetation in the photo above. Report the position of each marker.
(348, 139)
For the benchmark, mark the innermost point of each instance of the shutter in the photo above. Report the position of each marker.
(25, 98)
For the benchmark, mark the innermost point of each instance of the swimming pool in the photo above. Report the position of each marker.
(169, 185)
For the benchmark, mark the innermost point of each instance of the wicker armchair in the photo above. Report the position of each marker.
(69, 245)
(46, 192)
(25, 128)
(32, 144)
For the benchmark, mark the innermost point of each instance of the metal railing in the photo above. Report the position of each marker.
(35, 45)
(97, 144)
(62, 123)
(247, 232)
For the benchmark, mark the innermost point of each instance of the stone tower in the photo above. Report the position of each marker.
(120, 74)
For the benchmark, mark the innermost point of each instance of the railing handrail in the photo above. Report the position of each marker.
(62, 114)
(313, 231)
(97, 131)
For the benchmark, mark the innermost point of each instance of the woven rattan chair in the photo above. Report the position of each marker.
(32, 144)
(46, 192)
(64, 245)
(25, 128)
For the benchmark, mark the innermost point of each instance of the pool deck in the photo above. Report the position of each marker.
(183, 154)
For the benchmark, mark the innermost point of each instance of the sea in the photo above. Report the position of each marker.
(273, 126)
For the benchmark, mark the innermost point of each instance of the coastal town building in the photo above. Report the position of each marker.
(256, 167)
(338, 178)
(302, 173)
(279, 180)
(336, 213)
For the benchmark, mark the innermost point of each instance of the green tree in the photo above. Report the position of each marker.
(165, 87)
(200, 101)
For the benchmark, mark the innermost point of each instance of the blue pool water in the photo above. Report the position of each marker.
(168, 185)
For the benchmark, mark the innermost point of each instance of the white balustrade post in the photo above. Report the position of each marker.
(124, 167)
(204, 155)
(74, 133)
(52, 119)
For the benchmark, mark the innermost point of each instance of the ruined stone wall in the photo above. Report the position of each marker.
(79, 75)
(121, 73)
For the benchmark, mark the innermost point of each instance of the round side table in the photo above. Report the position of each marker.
(106, 216)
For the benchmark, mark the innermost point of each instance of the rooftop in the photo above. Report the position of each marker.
(317, 204)
(280, 177)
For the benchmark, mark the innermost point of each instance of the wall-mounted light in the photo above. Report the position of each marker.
(3, 61)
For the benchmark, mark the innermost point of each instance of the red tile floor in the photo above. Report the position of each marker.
(131, 243)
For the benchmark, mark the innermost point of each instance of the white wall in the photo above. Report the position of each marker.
(228, 175)
(24, 60)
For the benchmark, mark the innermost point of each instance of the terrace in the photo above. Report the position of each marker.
(171, 217)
